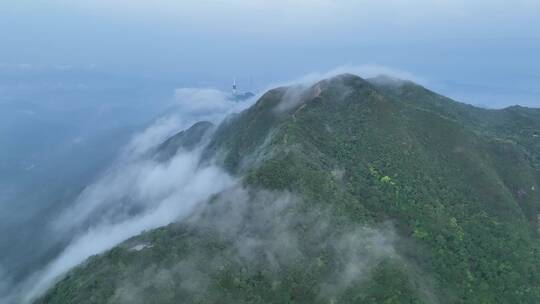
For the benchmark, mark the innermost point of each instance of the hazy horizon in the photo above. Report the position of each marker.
(481, 53)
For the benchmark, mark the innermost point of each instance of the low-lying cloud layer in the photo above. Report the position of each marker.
(137, 196)
(208, 104)
(139, 192)
(268, 234)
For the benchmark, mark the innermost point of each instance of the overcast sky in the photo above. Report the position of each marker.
(482, 52)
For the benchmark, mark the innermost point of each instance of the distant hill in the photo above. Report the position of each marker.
(353, 191)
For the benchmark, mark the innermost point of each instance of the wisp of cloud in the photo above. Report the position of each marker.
(140, 192)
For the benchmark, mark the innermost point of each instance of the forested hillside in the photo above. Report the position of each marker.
(351, 191)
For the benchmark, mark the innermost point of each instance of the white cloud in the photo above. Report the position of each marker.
(158, 192)
(261, 228)
(140, 193)
(201, 101)
(157, 133)
(208, 104)
(364, 71)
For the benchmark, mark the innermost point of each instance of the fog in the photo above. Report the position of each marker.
(261, 232)
(146, 195)
(55, 138)
(124, 190)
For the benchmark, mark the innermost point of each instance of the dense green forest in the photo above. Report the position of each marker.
(352, 191)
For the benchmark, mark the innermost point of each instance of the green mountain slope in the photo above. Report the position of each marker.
(385, 191)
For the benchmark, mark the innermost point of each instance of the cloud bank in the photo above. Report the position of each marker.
(140, 192)
(138, 196)
(208, 104)
(364, 71)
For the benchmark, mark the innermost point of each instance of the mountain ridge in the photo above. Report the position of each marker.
(458, 183)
